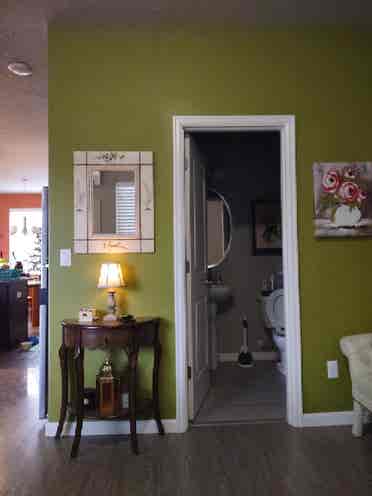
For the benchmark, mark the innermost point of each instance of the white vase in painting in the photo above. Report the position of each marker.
(346, 216)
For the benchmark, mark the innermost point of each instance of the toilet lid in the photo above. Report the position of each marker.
(275, 308)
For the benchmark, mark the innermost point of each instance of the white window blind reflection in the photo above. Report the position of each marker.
(126, 223)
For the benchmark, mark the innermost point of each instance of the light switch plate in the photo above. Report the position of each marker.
(65, 257)
(332, 369)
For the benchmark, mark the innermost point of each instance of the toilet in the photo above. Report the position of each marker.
(273, 310)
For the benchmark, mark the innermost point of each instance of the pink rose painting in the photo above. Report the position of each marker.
(342, 199)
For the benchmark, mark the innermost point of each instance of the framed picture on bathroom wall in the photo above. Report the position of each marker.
(266, 227)
(342, 199)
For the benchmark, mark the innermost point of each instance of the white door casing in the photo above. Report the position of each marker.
(285, 124)
(197, 290)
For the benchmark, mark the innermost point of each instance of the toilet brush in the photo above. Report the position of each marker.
(245, 358)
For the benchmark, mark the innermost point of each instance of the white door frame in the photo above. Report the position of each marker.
(286, 125)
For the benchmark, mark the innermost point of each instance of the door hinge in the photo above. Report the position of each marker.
(187, 265)
(189, 372)
(186, 162)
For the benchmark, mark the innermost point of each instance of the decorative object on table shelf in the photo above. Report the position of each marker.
(266, 227)
(342, 199)
(111, 277)
(90, 398)
(87, 314)
(107, 391)
(127, 317)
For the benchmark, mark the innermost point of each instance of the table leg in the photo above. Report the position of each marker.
(79, 373)
(64, 374)
(133, 359)
(155, 387)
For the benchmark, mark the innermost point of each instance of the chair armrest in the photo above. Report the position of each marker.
(360, 364)
(355, 343)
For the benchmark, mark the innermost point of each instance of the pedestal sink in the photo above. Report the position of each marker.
(218, 293)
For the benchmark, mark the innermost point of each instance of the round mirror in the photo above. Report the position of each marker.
(219, 222)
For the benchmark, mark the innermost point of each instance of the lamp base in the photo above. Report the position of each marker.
(111, 307)
(109, 317)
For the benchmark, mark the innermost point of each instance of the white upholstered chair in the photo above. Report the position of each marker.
(358, 350)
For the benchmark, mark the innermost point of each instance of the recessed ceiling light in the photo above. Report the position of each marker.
(20, 68)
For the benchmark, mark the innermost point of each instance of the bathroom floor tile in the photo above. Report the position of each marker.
(244, 395)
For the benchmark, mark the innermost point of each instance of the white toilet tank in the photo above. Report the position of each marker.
(264, 315)
(274, 306)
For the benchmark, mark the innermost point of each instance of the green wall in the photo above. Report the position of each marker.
(119, 88)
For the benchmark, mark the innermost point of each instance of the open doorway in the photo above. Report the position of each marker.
(25, 226)
(193, 357)
(23, 292)
(25, 239)
(235, 287)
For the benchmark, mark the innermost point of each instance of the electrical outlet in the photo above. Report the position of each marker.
(332, 369)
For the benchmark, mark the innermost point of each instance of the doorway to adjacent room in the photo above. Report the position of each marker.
(193, 376)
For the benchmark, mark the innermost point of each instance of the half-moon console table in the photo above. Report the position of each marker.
(130, 337)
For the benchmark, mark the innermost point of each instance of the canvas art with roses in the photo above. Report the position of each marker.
(342, 199)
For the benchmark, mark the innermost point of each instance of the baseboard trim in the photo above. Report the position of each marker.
(325, 419)
(257, 355)
(111, 427)
(120, 427)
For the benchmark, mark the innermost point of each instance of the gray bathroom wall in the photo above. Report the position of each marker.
(243, 167)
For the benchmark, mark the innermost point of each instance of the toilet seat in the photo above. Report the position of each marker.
(275, 311)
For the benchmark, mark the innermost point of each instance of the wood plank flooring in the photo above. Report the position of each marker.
(263, 459)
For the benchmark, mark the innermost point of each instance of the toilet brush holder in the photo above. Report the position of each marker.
(245, 358)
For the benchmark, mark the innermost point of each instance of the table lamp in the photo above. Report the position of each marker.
(110, 277)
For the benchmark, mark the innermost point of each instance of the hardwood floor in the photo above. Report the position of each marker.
(263, 459)
(32, 331)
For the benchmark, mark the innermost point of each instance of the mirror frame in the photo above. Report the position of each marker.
(85, 163)
(228, 209)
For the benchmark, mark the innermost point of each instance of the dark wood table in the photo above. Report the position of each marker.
(130, 337)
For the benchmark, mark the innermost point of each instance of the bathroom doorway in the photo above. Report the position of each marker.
(208, 150)
(237, 346)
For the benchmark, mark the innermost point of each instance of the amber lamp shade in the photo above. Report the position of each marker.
(110, 278)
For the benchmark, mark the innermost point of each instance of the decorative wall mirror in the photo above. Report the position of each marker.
(219, 224)
(114, 202)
